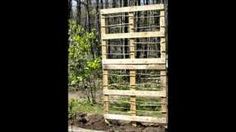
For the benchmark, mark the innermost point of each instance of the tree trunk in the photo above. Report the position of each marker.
(88, 14)
(78, 8)
(97, 22)
(138, 2)
(125, 4)
(70, 8)
(106, 4)
(101, 6)
(88, 4)
(86, 90)
(113, 3)
(146, 23)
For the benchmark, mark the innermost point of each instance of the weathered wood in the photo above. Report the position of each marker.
(104, 43)
(105, 97)
(103, 24)
(105, 72)
(162, 21)
(133, 9)
(105, 77)
(133, 61)
(132, 72)
(136, 67)
(135, 118)
(134, 64)
(162, 39)
(131, 30)
(163, 87)
(164, 105)
(133, 98)
(135, 93)
(132, 35)
(163, 79)
(163, 48)
(104, 49)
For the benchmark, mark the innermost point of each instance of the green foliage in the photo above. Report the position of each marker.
(72, 108)
(81, 62)
(76, 105)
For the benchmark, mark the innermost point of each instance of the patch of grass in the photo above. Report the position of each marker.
(87, 107)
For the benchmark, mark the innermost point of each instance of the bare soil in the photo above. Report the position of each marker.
(97, 122)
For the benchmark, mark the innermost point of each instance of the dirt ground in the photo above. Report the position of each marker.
(91, 122)
(97, 122)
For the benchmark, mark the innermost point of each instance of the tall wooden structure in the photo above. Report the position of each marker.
(138, 49)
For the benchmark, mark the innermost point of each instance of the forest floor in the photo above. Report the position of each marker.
(94, 122)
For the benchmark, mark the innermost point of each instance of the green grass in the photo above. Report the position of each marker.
(149, 113)
(87, 107)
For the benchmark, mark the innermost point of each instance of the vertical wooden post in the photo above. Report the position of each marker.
(162, 21)
(105, 87)
(163, 76)
(103, 31)
(162, 39)
(132, 72)
(105, 72)
(163, 88)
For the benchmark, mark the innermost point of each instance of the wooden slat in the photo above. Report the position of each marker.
(163, 87)
(131, 30)
(105, 77)
(162, 21)
(132, 35)
(132, 72)
(163, 76)
(104, 43)
(163, 79)
(104, 49)
(103, 24)
(135, 93)
(135, 118)
(164, 105)
(133, 61)
(133, 98)
(162, 29)
(136, 67)
(163, 48)
(105, 97)
(132, 9)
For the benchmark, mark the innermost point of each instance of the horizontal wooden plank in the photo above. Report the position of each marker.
(132, 9)
(132, 35)
(135, 93)
(136, 67)
(133, 61)
(161, 120)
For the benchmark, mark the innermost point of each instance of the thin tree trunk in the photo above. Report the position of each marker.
(95, 89)
(88, 14)
(146, 23)
(106, 4)
(138, 2)
(91, 92)
(70, 8)
(88, 4)
(101, 6)
(125, 4)
(86, 90)
(97, 22)
(78, 8)
(113, 3)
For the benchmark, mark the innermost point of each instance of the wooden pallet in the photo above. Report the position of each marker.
(133, 64)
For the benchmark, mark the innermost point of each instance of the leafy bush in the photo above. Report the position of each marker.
(83, 66)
